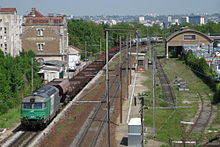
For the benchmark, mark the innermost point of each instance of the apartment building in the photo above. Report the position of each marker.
(45, 35)
(10, 31)
(197, 20)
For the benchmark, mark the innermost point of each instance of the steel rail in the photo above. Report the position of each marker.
(93, 116)
(165, 83)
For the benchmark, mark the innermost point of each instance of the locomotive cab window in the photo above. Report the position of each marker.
(34, 105)
(44, 105)
(27, 105)
(37, 105)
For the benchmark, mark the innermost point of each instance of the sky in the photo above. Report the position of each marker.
(114, 7)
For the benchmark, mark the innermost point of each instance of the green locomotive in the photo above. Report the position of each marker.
(40, 107)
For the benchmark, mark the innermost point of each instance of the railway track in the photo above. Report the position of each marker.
(94, 124)
(97, 120)
(165, 83)
(203, 118)
(23, 139)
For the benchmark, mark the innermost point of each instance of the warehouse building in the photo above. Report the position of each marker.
(185, 37)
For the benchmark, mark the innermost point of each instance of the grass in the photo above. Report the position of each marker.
(10, 118)
(217, 119)
(215, 126)
(167, 122)
(13, 116)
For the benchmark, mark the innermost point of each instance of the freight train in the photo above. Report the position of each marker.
(42, 105)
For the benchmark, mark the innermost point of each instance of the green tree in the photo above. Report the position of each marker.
(15, 73)
(87, 33)
(209, 27)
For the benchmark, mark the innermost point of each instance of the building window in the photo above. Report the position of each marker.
(0, 37)
(189, 37)
(40, 32)
(0, 20)
(0, 28)
(5, 29)
(5, 47)
(40, 46)
(1, 45)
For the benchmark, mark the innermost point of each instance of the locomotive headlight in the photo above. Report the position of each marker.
(40, 116)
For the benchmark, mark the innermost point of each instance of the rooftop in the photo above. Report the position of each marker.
(73, 49)
(35, 17)
(55, 63)
(43, 20)
(187, 30)
(11, 10)
(135, 121)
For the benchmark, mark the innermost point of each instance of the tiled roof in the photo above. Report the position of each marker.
(43, 20)
(73, 47)
(8, 10)
(35, 17)
(73, 50)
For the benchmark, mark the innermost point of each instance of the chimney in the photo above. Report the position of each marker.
(51, 14)
(33, 9)
(33, 12)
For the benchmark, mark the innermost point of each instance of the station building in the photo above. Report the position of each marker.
(185, 37)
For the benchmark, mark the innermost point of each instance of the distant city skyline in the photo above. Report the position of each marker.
(114, 7)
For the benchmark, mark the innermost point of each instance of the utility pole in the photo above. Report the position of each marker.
(68, 67)
(136, 50)
(107, 77)
(32, 74)
(100, 46)
(129, 61)
(107, 91)
(85, 50)
(127, 77)
(120, 79)
(153, 56)
(141, 98)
